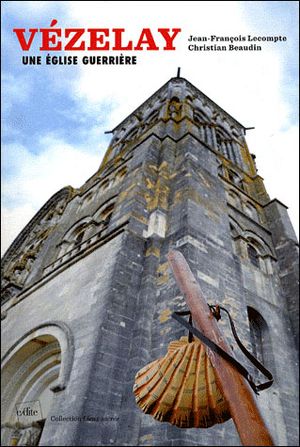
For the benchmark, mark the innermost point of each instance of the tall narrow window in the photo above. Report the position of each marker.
(121, 174)
(253, 255)
(234, 239)
(256, 333)
(232, 151)
(219, 140)
(106, 184)
(260, 339)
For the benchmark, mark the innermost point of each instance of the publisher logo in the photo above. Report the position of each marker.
(27, 412)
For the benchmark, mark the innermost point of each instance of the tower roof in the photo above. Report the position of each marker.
(196, 91)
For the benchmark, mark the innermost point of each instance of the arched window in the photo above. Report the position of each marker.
(258, 252)
(76, 235)
(200, 117)
(121, 174)
(253, 255)
(106, 184)
(131, 134)
(152, 117)
(106, 214)
(235, 179)
(79, 234)
(79, 238)
(87, 198)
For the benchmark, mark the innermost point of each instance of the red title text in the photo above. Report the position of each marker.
(96, 39)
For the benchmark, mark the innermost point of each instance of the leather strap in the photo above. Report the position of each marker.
(214, 347)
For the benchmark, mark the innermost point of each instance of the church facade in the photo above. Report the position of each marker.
(88, 292)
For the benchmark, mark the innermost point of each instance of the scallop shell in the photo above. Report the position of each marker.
(181, 387)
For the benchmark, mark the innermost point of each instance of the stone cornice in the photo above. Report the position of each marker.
(66, 193)
(57, 270)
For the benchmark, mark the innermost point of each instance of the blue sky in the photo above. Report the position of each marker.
(54, 117)
(39, 99)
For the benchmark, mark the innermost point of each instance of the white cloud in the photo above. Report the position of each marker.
(37, 177)
(57, 165)
(33, 9)
(278, 164)
(13, 221)
(130, 86)
(16, 90)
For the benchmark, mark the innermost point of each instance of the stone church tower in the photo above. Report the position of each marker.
(87, 291)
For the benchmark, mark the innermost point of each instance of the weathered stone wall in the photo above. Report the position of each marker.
(78, 298)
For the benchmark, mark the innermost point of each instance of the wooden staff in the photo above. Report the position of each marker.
(241, 399)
